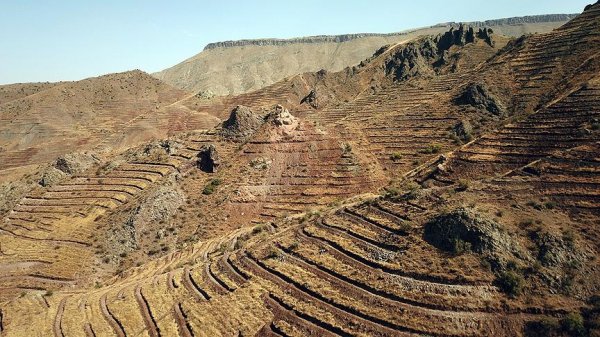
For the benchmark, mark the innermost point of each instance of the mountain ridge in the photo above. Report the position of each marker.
(543, 18)
(235, 67)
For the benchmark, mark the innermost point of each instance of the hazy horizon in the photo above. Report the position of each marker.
(75, 40)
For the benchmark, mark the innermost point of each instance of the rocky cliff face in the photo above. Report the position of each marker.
(349, 37)
(427, 55)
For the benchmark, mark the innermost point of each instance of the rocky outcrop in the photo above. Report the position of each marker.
(75, 162)
(205, 94)
(412, 60)
(208, 159)
(478, 96)
(281, 117)
(241, 124)
(158, 207)
(466, 229)
(428, 55)
(554, 250)
(51, 176)
(311, 99)
(486, 35)
(456, 37)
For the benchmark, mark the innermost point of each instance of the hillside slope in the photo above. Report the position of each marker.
(235, 67)
(443, 187)
(39, 122)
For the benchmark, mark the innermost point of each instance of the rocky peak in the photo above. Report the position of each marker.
(241, 124)
(456, 37)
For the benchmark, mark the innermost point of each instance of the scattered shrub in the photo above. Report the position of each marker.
(211, 186)
(272, 254)
(294, 245)
(510, 282)
(573, 325)
(396, 156)
(463, 185)
(391, 192)
(569, 238)
(535, 205)
(431, 149)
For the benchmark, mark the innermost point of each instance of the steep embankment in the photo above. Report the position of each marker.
(234, 67)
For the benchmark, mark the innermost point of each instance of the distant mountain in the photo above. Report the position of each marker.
(233, 67)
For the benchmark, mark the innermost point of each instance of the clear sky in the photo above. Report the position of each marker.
(45, 40)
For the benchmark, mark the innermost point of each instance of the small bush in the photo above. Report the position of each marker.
(272, 254)
(48, 293)
(258, 229)
(572, 324)
(294, 245)
(396, 156)
(463, 185)
(569, 238)
(391, 192)
(535, 205)
(544, 327)
(526, 223)
(431, 149)
(211, 186)
(510, 282)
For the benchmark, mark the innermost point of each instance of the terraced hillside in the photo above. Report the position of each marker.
(444, 187)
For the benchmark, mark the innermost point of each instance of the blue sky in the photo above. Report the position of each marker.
(74, 39)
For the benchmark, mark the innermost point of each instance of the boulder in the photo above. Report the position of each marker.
(75, 162)
(208, 158)
(478, 96)
(241, 124)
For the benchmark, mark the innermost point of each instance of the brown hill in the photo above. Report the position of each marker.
(39, 122)
(274, 223)
(235, 67)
